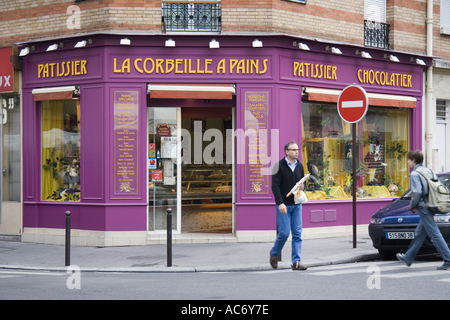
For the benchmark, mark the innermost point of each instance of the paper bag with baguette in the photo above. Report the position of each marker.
(299, 195)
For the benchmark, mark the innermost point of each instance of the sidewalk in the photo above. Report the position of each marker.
(220, 257)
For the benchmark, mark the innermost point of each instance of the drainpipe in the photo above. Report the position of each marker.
(430, 101)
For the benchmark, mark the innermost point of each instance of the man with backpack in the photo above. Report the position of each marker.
(427, 224)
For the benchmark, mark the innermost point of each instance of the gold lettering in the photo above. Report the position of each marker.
(359, 76)
(159, 67)
(145, 65)
(265, 66)
(377, 73)
(382, 78)
(177, 63)
(301, 70)
(221, 66)
(64, 69)
(241, 66)
(392, 81)
(51, 67)
(67, 68)
(136, 65)
(115, 67)
(207, 63)
(254, 64)
(371, 76)
(126, 65)
(40, 69)
(307, 69)
(190, 69)
(296, 66)
(77, 64)
(233, 63)
(366, 75)
(198, 67)
(333, 72)
(83, 66)
(45, 73)
(58, 72)
(169, 65)
(317, 71)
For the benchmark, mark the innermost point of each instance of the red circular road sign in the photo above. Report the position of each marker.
(353, 103)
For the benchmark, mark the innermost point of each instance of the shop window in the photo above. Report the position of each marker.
(382, 144)
(60, 136)
(11, 147)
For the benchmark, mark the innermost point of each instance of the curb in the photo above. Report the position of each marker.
(331, 260)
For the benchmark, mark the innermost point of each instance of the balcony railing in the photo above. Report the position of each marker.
(376, 34)
(191, 16)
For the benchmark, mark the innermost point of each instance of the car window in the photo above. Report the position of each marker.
(445, 180)
(407, 195)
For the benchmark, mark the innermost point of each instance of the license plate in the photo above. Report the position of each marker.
(399, 235)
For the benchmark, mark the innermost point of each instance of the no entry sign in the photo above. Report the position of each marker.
(353, 103)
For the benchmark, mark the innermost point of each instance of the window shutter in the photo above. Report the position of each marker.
(445, 16)
(375, 10)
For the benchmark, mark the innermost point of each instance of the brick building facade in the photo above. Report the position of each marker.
(329, 20)
(384, 28)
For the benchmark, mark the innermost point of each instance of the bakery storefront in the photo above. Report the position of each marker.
(117, 134)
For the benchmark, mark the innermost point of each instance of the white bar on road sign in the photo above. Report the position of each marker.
(352, 104)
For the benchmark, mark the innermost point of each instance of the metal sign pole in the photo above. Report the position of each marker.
(352, 106)
(355, 180)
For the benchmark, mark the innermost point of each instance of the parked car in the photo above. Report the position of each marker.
(392, 227)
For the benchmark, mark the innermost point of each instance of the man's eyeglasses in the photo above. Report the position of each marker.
(293, 149)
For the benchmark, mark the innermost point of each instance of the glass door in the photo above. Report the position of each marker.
(164, 187)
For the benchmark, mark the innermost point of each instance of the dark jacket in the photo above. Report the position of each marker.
(283, 180)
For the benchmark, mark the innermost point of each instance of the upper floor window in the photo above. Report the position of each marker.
(445, 17)
(376, 30)
(191, 16)
(298, 1)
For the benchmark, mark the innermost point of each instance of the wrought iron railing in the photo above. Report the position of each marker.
(191, 16)
(376, 34)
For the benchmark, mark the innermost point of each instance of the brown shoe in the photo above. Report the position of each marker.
(273, 260)
(298, 266)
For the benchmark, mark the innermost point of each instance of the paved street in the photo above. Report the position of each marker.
(363, 280)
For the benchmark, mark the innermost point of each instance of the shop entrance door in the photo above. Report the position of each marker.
(207, 170)
(190, 170)
(164, 187)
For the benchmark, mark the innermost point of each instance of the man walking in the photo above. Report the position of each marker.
(427, 225)
(287, 172)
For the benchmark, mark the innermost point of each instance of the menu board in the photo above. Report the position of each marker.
(126, 132)
(256, 151)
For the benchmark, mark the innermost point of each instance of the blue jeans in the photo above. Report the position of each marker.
(291, 221)
(427, 225)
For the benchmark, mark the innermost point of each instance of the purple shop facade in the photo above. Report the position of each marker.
(269, 86)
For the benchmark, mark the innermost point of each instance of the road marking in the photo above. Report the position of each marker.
(43, 273)
(410, 274)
